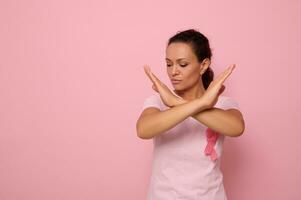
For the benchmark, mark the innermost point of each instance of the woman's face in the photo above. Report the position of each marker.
(183, 65)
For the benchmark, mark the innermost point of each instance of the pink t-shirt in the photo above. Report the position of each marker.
(180, 168)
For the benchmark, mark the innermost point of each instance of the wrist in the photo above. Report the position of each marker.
(181, 101)
(202, 104)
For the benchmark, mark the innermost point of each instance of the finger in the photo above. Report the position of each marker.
(148, 72)
(151, 76)
(225, 72)
(156, 78)
(223, 76)
(155, 88)
(222, 89)
(156, 81)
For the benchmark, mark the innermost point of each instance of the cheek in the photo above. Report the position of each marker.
(168, 70)
(191, 78)
(190, 75)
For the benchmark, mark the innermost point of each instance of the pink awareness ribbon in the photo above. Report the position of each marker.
(212, 137)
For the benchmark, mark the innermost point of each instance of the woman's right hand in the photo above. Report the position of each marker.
(168, 97)
(216, 87)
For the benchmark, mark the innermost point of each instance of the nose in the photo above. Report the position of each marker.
(174, 70)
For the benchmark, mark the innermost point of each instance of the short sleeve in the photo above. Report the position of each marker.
(227, 103)
(152, 101)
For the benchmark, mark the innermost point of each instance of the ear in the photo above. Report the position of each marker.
(204, 65)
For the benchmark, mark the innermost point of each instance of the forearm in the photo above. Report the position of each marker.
(157, 123)
(222, 121)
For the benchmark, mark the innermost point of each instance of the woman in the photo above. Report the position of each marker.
(188, 124)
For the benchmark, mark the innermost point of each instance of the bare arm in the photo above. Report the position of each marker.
(153, 121)
(227, 122)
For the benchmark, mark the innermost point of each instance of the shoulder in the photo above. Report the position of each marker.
(226, 102)
(153, 100)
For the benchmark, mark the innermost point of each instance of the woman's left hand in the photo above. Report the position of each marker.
(168, 97)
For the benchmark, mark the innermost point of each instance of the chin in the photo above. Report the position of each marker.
(177, 88)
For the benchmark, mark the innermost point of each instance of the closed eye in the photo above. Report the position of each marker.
(184, 65)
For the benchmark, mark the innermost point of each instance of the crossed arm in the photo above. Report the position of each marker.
(153, 121)
(227, 122)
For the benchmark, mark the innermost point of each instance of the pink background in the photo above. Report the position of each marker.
(72, 87)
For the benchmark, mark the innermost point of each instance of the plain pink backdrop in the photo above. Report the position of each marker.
(72, 87)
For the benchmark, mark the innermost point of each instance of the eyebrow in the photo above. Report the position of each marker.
(177, 59)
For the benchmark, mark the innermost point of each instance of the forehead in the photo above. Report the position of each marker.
(179, 50)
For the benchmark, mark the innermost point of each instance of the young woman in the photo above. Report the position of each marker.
(188, 124)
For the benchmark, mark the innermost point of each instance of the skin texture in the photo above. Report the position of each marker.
(189, 98)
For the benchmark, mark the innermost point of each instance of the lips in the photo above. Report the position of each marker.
(175, 81)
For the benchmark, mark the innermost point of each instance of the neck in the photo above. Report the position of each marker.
(192, 93)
